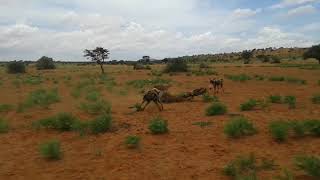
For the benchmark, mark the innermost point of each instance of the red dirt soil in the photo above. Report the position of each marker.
(186, 152)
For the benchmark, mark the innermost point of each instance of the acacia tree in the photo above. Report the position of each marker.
(313, 52)
(98, 55)
(246, 55)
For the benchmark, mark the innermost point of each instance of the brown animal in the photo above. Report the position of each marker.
(152, 95)
(217, 84)
(196, 92)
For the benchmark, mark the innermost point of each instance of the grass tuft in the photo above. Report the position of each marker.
(216, 109)
(158, 126)
(51, 150)
(239, 127)
(132, 142)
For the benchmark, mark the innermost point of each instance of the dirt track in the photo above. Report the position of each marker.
(186, 152)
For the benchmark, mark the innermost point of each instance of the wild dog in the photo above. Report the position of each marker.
(217, 84)
(153, 95)
(196, 92)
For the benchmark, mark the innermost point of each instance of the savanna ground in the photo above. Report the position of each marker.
(186, 152)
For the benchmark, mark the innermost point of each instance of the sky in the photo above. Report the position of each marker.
(130, 29)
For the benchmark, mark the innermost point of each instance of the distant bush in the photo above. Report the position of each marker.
(238, 127)
(291, 101)
(176, 66)
(45, 63)
(51, 150)
(249, 105)
(275, 99)
(62, 122)
(216, 109)
(239, 78)
(316, 99)
(4, 126)
(158, 126)
(132, 141)
(16, 67)
(5, 107)
(41, 98)
(101, 124)
(279, 130)
(275, 60)
(277, 78)
(309, 164)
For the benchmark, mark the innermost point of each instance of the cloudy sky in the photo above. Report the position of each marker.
(62, 29)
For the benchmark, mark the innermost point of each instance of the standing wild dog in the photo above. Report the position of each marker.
(153, 95)
(217, 84)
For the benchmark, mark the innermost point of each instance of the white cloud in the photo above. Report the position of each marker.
(244, 13)
(288, 3)
(302, 10)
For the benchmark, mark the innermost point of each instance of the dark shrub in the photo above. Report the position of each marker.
(4, 127)
(51, 150)
(62, 122)
(16, 67)
(238, 127)
(216, 109)
(309, 164)
(176, 66)
(132, 141)
(279, 130)
(101, 124)
(249, 105)
(158, 126)
(275, 99)
(45, 63)
(316, 99)
(291, 101)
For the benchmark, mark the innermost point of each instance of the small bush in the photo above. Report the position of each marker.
(313, 127)
(275, 99)
(298, 128)
(93, 96)
(291, 101)
(62, 122)
(249, 105)
(208, 98)
(277, 78)
(5, 107)
(216, 109)
(279, 130)
(45, 63)
(176, 66)
(51, 150)
(132, 141)
(41, 98)
(4, 126)
(33, 80)
(243, 167)
(16, 67)
(238, 127)
(101, 124)
(98, 107)
(158, 126)
(239, 78)
(309, 164)
(316, 99)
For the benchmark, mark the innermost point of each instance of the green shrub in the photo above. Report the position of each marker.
(243, 167)
(277, 78)
(279, 130)
(238, 127)
(309, 164)
(208, 98)
(62, 122)
(239, 78)
(275, 99)
(316, 99)
(4, 126)
(93, 96)
(312, 126)
(16, 67)
(98, 107)
(216, 108)
(33, 80)
(5, 107)
(41, 98)
(298, 128)
(101, 124)
(158, 126)
(51, 150)
(176, 66)
(291, 101)
(249, 105)
(132, 141)
(45, 63)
